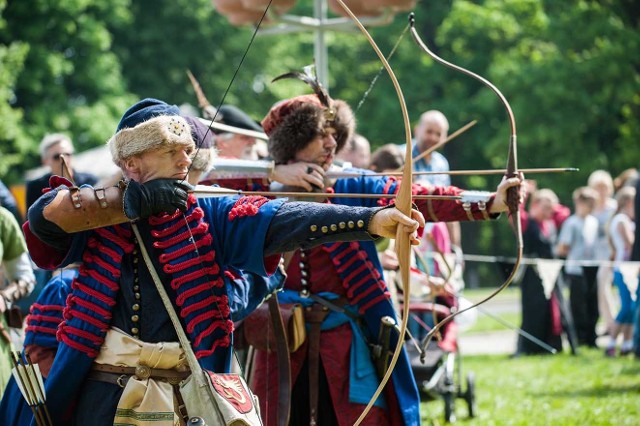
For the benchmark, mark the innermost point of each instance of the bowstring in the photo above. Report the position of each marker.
(199, 145)
(380, 71)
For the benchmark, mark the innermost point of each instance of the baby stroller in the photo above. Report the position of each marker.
(440, 376)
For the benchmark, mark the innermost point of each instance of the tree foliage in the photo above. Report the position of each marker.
(570, 70)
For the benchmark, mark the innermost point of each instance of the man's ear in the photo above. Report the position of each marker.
(131, 165)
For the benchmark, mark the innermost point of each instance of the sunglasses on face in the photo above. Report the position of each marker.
(56, 157)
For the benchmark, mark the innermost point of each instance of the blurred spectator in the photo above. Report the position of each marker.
(431, 130)
(387, 158)
(576, 243)
(540, 308)
(635, 256)
(356, 151)
(235, 145)
(16, 281)
(56, 152)
(8, 201)
(602, 182)
(621, 235)
(627, 177)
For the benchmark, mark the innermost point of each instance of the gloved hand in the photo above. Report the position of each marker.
(155, 197)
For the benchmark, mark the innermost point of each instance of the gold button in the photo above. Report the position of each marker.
(342, 225)
(325, 229)
(135, 260)
(351, 224)
(137, 295)
(134, 330)
(313, 228)
(136, 287)
(360, 223)
(135, 318)
(334, 227)
(136, 307)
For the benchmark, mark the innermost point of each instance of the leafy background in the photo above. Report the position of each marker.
(570, 69)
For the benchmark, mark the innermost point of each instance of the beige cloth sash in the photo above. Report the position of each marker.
(144, 402)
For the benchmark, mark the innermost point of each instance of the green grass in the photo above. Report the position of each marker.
(587, 389)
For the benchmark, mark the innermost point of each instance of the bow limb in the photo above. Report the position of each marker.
(511, 171)
(403, 203)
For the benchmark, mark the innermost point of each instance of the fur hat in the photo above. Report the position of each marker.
(151, 134)
(149, 124)
(293, 123)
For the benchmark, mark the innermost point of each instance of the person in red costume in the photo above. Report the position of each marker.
(341, 284)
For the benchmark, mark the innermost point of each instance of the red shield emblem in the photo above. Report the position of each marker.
(231, 388)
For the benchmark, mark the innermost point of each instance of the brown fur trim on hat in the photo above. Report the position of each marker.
(152, 134)
(298, 128)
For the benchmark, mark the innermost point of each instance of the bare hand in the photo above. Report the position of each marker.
(499, 204)
(303, 175)
(386, 221)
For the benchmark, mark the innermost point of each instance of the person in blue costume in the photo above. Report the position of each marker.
(113, 302)
(39, 342)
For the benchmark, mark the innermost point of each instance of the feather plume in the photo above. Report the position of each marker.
(309, 77)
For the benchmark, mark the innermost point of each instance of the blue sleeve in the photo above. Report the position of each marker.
(247, 291)
(364, 185)
(239, 228)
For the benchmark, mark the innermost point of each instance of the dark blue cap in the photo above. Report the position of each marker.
(145, 110)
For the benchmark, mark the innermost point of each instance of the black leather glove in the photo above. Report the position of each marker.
(155, 197)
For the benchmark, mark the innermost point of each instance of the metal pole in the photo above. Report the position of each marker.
(321, 53)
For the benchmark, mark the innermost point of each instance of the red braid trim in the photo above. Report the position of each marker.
(45, 307)
(177, 282)
(210, 314)
(224, 342)
(99, 277)
(247, 206)
(196, 215)
(69, 314)
(170, 269)
(88, 258)
(39, 329)
(42, 318)
(91, 306)
(168, 257)
(197, 290)
(364, 294)
(344, 266)
(385, 296)
(179, 238)
(63, 337)
(330, 248)
(115, 238)
(227, 326)
(93, 293)
(84, 334)
(204, 303)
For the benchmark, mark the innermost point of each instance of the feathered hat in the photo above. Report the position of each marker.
(293, 123)
(147, 125)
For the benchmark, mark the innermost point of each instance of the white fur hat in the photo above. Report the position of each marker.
(154, 133)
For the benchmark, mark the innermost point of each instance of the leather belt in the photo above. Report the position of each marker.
(120, 375)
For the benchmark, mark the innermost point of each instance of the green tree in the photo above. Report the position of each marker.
(69, 80)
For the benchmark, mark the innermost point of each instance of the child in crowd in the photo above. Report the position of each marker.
(576, 243)
(621, 236)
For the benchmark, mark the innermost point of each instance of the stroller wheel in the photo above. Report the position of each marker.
(449, 407)
(470, 395)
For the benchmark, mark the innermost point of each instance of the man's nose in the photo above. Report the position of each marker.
(330, 141)
(185, 159)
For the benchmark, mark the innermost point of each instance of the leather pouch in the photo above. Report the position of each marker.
(258, 330)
